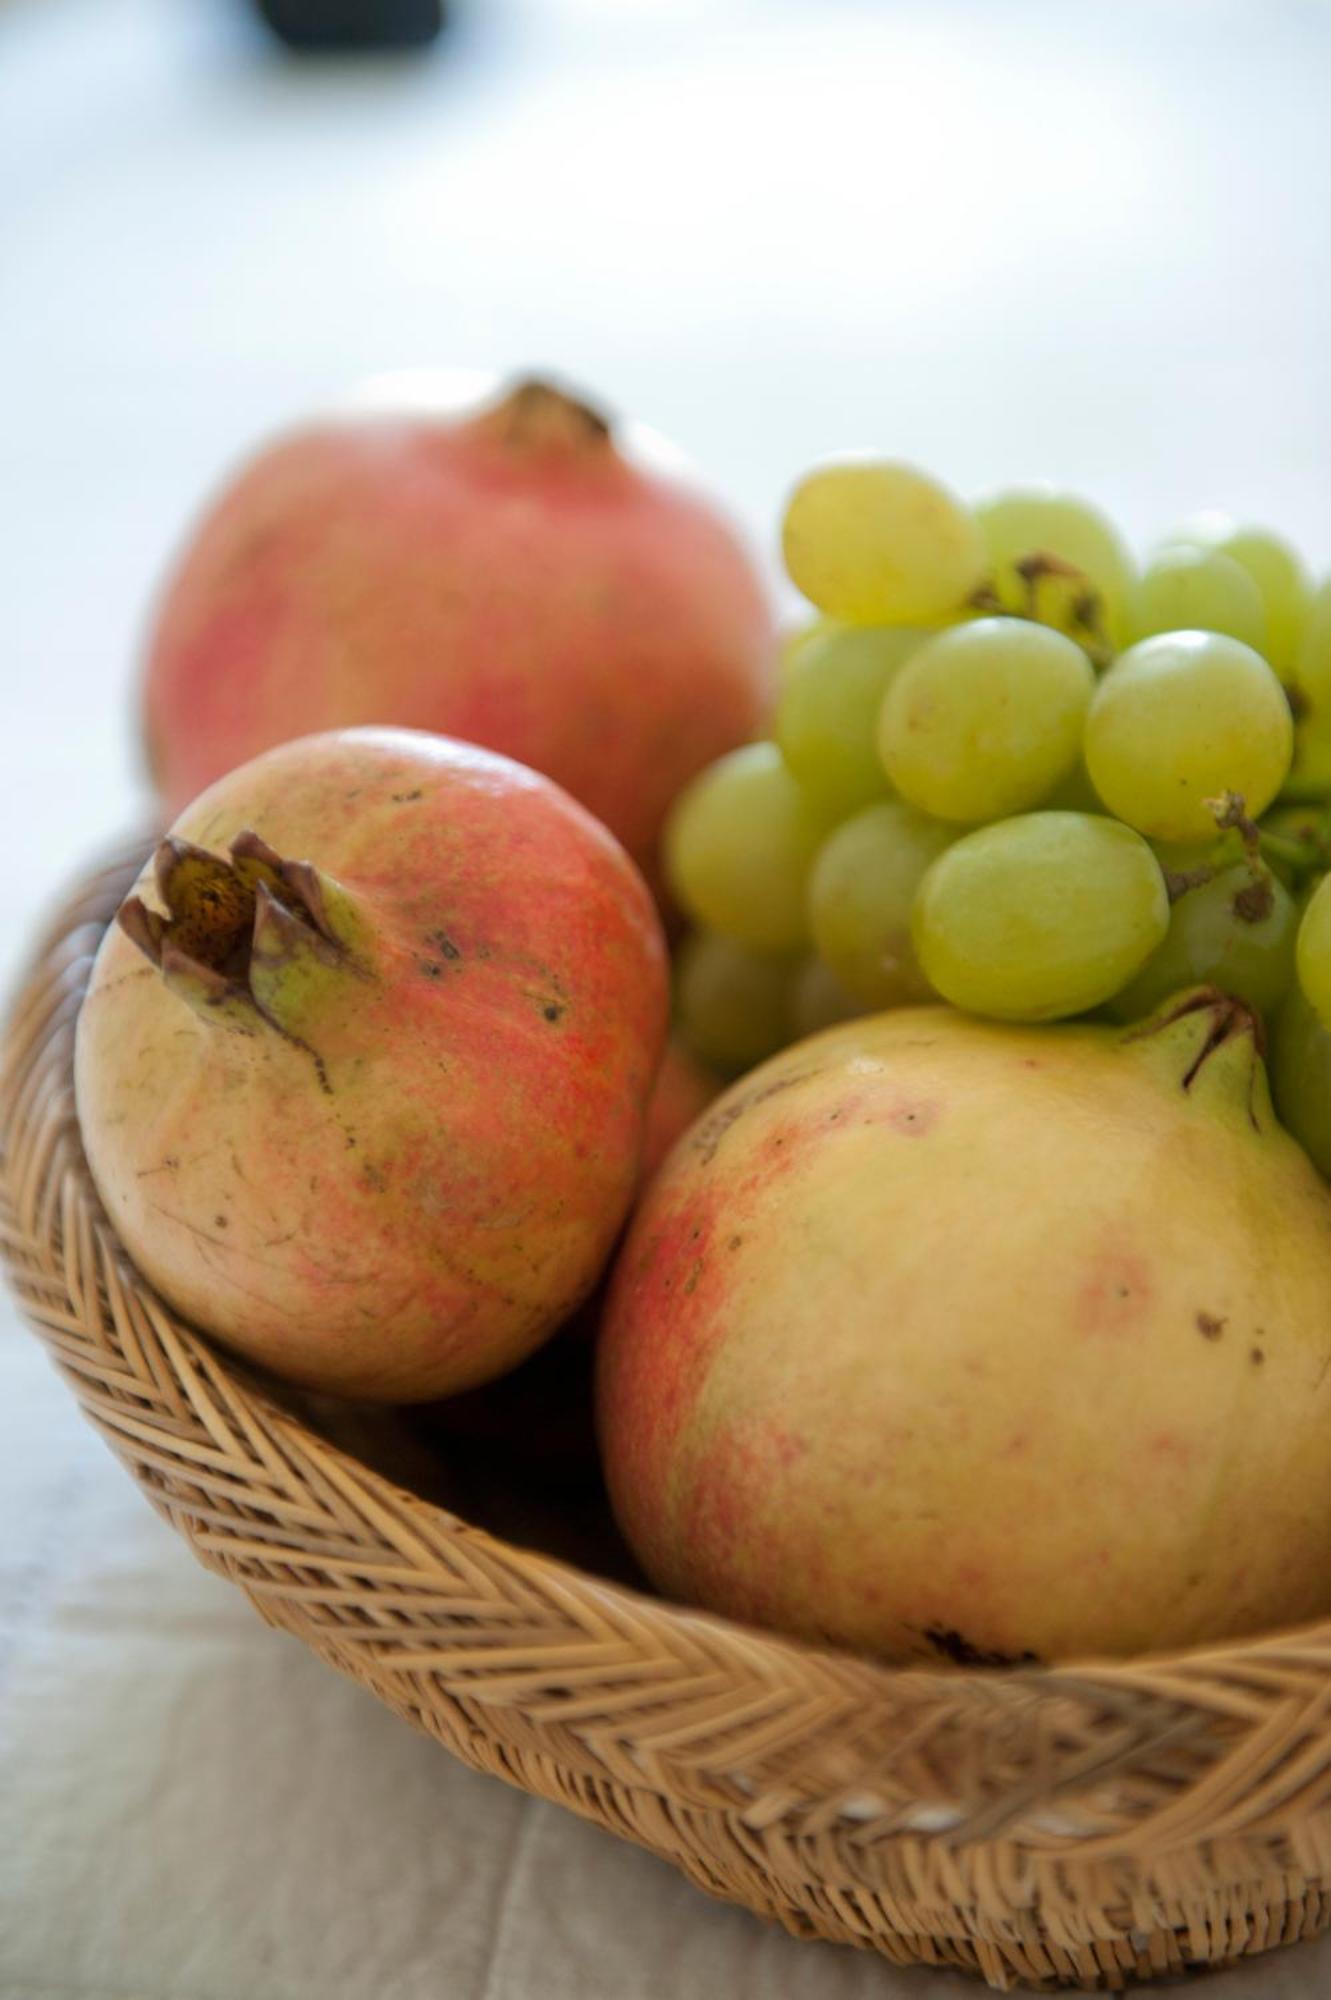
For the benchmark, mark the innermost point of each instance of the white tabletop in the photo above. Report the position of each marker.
(1009, 238)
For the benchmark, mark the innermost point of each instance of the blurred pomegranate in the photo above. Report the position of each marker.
(502, 573)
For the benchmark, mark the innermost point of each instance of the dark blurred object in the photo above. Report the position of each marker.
(354, 24)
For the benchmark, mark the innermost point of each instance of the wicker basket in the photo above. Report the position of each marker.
(1086, 1825)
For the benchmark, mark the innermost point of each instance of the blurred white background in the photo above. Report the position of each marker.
(1008, 238)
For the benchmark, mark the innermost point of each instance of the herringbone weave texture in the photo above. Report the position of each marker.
(1074, 1826)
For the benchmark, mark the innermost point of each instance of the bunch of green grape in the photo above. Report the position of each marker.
(1009, 770)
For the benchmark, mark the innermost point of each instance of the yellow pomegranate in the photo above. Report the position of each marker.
(985, 1343)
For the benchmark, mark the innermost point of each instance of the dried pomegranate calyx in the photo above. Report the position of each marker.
(249, 932)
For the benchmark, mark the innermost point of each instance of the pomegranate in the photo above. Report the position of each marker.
(362, 1071)
(503, 574)
(943, 1338)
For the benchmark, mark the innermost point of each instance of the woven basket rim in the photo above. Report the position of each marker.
(1112, 1757)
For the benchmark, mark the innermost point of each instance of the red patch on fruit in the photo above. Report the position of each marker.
(1114, 1296)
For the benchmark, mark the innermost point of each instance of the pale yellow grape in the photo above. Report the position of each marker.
(1312, 661)
(1274, 565)
(792, 642)
(861, 894)
(818, 1000)
(1178, 721)
(826, 722)
(1039, 917)
(1310, 679)
(739, 844)
(986, 719)
(1200, 590)
(1299, 1061)
(1313, 954)
(1040, 521)
(875, 542)
(733, 1005)
(1236, 932)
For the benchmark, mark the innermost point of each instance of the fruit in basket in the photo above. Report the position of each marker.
(1180, 720)
(504, 574)
(1056, 558)
(1144, 820)
(362, 1073)
(1041, 916)
(986, 719)
(943, 1338)
(874, 542)
(739, 844)
(1235, 930)
(1273, 565)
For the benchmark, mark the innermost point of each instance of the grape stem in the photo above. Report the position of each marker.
(1302, 856)
(1230, 811)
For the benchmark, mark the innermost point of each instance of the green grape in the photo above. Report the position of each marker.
(739, 845)
(819, 1000)
(1200, 590)
(733, 1005)
(1312, 660)
(1305, 829)
(879, 543)
(985, 719)
(827, 717)
(1299, 1062)
(1236, 932)
(1057, 558)
(1038, 917)
(1310, 685)
(860, 897)
(1182, 719)
(793, 641)
(1313, 955)
(1274, 567)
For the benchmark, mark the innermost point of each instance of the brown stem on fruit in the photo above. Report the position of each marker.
(247, 936)
(1230, 811)
(1255, 901)
(1211, 1043)
(537, 416)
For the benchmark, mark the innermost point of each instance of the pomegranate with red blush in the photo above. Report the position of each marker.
(506, 574)
(362, 1072)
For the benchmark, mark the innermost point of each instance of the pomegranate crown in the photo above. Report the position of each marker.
(247, 938)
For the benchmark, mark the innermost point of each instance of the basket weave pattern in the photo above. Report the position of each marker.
(1081, 1825)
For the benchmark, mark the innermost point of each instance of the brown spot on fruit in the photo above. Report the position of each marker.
(1210, 1325)
(913, 1118)
(1256, 1356)
(1115, 1295)
(955, 1646)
